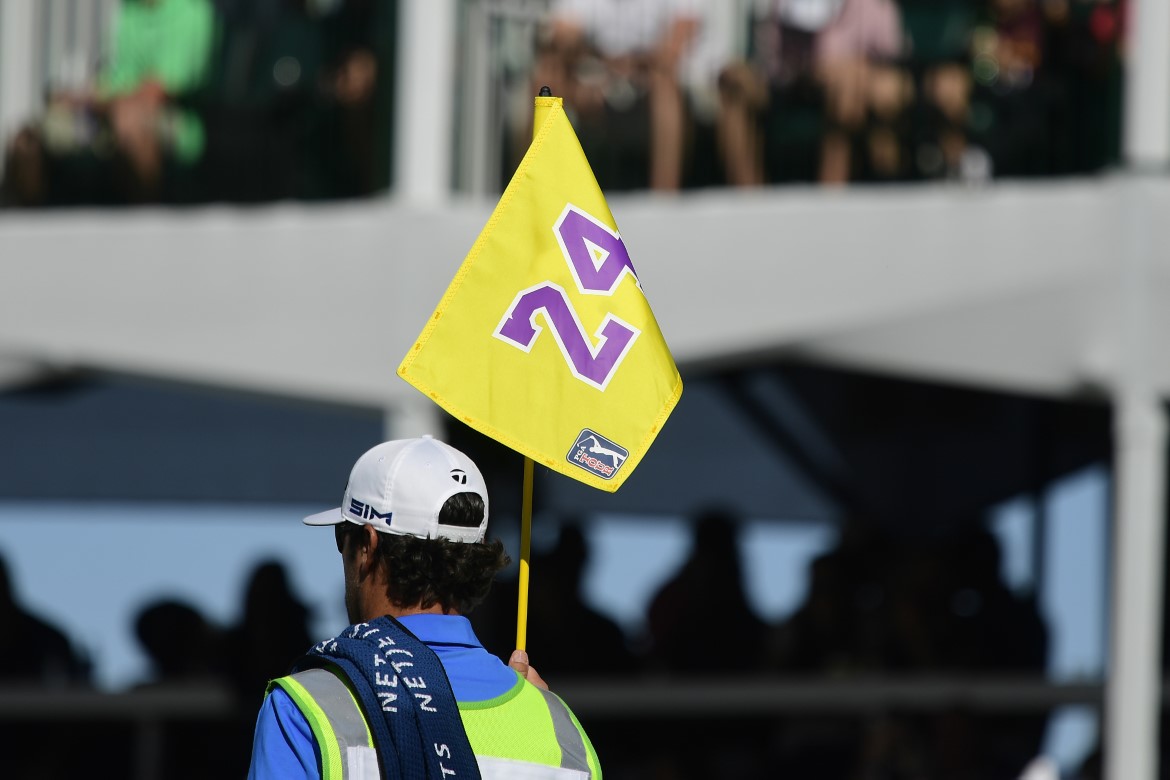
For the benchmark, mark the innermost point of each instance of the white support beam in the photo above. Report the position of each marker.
(410, 416)
(1147, 86)
(1133, 698)
(19, 92)
(424, 110)
(477, 133)
(1134, 689)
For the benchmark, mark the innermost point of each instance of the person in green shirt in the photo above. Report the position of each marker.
(112, 141)
(161, 52)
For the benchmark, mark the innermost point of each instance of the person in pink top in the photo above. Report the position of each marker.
(854, 56)
(845, 52)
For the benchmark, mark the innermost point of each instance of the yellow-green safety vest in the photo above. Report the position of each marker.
(524, 734)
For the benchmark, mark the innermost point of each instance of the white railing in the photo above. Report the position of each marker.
(492, 87)
(147, 711)
(614, 698)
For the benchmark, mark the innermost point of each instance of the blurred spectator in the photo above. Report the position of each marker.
(1013, 93)
(828, 70)
(117, 141)
(820, 634)
(181, 643)
(838, 631)
(273, 632)
(567, 635)
(713, 51)
(955, 614)
(865, 90)
(358, 96)
(987, 626)
(709, 586)
(939, 38)
(876, 606)
(844, 625)
(773, 104)
(183, 647)
(297, 100)
(1086, 47)
(570, 639)
(161, 54)
(743, 97)
(617, 64)
(701, 607)
(32, 651)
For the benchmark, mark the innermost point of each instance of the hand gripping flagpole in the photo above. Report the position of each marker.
(538, 115)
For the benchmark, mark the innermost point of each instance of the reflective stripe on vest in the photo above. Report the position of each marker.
(493, 768)
(347, 751)
(340, 730)
(573, 754)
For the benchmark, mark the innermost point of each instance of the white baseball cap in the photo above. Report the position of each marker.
(400, 486)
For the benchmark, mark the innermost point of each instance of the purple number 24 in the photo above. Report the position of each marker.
(598, 260)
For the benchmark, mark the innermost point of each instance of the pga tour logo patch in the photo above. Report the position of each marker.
(597, 454)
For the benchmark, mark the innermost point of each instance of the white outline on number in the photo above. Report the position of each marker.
(594, 351)
(626, 269)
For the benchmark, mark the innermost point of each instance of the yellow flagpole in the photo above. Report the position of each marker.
(525, 556)
(538, 114)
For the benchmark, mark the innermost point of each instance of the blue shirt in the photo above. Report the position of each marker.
(284, 746)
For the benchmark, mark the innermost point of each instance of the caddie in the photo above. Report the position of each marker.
(408, 691)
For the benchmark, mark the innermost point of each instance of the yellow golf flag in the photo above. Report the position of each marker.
(544, 340)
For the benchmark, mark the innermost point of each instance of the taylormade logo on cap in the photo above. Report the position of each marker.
(400, 487)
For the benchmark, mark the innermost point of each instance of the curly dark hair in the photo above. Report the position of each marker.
(455, 575)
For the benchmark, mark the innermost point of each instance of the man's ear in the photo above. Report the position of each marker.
(368, 550)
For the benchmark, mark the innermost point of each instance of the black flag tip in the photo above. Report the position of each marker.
(545, 92)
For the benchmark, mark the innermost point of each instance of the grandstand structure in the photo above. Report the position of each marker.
(1056, 289)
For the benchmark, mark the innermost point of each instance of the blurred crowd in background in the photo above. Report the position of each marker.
(874, 606)
(837, 91)
(227, 100)
(217, 100)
